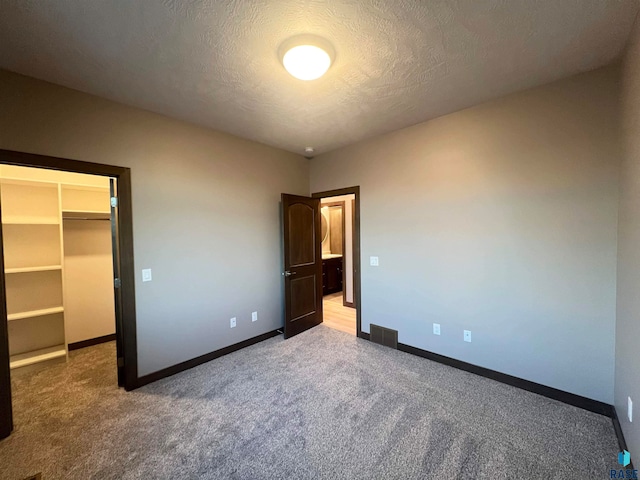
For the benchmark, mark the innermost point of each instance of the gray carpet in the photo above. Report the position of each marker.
(320, 405)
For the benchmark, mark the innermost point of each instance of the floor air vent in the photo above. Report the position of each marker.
(384, 336)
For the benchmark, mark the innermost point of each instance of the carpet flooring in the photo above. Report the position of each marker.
(321, 405)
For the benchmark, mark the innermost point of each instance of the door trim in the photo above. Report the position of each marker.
(356, 248)
(6, 410)
(353, 249)
(343, 206)
(127, 273)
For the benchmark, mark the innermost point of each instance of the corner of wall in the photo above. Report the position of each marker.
(627, 354)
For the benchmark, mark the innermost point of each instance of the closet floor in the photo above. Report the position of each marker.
(56, 400)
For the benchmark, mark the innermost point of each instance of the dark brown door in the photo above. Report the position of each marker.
(302, 263)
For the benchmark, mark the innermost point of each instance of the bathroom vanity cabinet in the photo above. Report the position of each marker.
(332, 274)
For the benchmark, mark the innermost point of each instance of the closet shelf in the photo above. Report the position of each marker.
(35, 313)
(84, 187)
(28, 220)
(86, 214)
(45, 268)
(29, 183)
(36, 356)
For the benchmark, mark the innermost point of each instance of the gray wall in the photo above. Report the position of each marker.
(500, 219)
(627, 377)
(205, 209)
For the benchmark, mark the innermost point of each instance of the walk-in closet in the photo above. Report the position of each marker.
(58, 263)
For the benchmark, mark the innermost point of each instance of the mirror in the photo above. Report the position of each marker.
(325, 226)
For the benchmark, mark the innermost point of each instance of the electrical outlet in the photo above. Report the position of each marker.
(467, 335)
(232, 322)
(146, 275)
(630, 409)
(373, 261)
(436, 329)
(254, 316)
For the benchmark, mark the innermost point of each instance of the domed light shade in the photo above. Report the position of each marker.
(306, 57)
(306, 62)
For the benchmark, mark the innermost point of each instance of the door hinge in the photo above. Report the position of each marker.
(117, 283)
(114, 202)
(120, 362)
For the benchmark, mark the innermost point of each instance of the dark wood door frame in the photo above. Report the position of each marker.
(343, 206)
(127, 335)
(352, 304)
(6, 409)
(356, 248)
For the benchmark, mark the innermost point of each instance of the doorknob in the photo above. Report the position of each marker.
(287, 273)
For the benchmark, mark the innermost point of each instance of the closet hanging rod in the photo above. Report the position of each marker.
(86, 218)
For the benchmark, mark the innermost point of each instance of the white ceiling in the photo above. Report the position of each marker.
(398, 62)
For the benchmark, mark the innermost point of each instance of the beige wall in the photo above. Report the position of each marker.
(205, 209)
(628, 320)
(499, 219)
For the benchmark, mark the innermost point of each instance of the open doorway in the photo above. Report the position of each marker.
(67, 272)
(57, 246)
(340, 236)
(337, 262)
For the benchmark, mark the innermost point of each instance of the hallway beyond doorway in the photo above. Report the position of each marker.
(337, 316)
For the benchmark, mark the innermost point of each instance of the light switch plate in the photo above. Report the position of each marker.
(146, 275)
(436, 329)
(232, 322)
(254, 316)
(467, 335)
(373, 261)
(630, 409)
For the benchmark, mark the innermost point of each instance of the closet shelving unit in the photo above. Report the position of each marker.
(85, 202)
(33, 270)
(32, 219)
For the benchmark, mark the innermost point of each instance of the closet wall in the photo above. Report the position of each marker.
(58, 267)
(88, 274)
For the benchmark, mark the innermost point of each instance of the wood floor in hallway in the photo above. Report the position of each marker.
(337, 316)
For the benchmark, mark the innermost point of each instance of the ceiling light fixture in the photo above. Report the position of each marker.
(306, 57)
(308, 153)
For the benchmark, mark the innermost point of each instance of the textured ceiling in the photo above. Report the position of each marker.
(398, 62)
